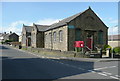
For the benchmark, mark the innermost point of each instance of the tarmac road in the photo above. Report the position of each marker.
(22, 65)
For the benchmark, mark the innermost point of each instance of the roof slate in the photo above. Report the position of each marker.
(28, 28)
(65, 21)
(41, 27)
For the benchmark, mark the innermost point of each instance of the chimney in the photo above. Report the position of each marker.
(10, 32)
(4, 32)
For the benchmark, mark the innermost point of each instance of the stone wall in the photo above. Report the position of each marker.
(33, 37)
(14, 37)
(23, 42)
(88, 23)
(57, 45)
(114, 43)
(40, 40)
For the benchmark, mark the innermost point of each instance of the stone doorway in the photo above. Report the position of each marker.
(90, 40)
(28, 41)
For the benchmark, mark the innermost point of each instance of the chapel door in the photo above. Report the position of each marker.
(90, 42)
(29, 41)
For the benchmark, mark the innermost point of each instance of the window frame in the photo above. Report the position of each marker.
(54, 36)
(100, 37)
(78, 31)
(46, 38)
(60, 35)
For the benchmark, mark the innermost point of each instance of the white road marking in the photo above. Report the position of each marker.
(107, 73)
(102, 74)
(62, 63)
(114, 77)
(117, 75)
(105, 68)
(92, 71)
(112, 66)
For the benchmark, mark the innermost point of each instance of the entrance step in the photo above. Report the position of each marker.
(93, 54)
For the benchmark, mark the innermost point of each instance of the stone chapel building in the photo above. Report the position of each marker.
(26, 35)
(37, 35)
(85, 26)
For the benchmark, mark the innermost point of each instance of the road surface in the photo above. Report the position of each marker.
(22, 65)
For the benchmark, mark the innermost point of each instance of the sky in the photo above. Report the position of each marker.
(15, 14)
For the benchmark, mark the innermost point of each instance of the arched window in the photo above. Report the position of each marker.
(54, 36)
(100, 37)
(50, 37)
(77, 34)
(60, 35)
(45, 37)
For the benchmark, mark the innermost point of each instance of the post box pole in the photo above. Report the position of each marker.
(82, 50)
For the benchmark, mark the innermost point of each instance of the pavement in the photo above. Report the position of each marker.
(94, 59)
(73, 58)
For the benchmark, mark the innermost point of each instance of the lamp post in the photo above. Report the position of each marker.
(112, 47)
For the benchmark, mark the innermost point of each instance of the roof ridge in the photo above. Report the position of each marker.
(40, 25)
(66, 20)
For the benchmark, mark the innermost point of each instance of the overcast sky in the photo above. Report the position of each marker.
(14, 14)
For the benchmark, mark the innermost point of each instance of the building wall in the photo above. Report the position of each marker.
(25, 35)
(40, 40)
(20, 38)
(23, 42)
(14, 37)
(57, 45)
(33, 37)
(37, 38)
(114, 43)
(87, 21)
(48, 39)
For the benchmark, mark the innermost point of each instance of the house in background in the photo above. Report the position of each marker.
(14, 37)
(10, 36)
(85, 26)
(114, 40)
(37, 35)
(26, 35)
(1, 37)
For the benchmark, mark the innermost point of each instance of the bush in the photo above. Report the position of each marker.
(116, 50)
(2, 42)
(77, 49)
(8, 40)
(107, 46)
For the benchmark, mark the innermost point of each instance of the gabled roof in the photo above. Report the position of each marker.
(41, 27)
(13, 33)
(5, 35)
(27, 28)
(66, 20)
(1, 34)
(8, 35)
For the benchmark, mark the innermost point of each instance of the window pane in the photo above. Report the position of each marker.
(54, 36)
(50, 35)
(45, 37)
(60, 35)
(100, 37)
(77, 35)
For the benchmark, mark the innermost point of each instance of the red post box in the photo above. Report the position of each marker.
(79, 44)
